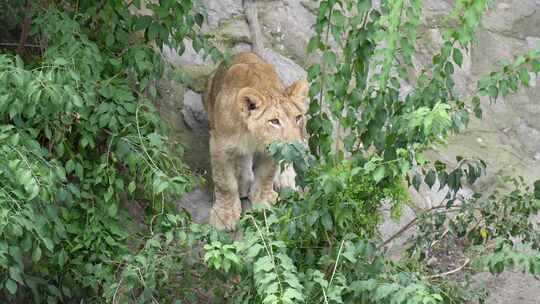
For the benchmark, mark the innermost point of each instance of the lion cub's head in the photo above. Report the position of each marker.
(274, 115)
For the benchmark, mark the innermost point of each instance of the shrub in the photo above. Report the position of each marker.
(81, 143)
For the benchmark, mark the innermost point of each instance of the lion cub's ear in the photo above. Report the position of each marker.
(298, 92)
(249, 100)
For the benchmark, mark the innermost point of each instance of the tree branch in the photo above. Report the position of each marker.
(395, 235)
(250, 10)
(412, 222)
(450, 272)
(25, 29)
(18, 44)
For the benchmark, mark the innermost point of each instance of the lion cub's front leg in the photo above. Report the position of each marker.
(244, 174)
(262, 190)
(227, 207)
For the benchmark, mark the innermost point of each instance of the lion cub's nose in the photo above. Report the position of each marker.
(292, 135)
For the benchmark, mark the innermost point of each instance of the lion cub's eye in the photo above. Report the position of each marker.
(274, 121)
(298, 118)
(251, 106)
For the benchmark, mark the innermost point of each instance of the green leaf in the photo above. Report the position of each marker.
(520, 60)
(77, 101)
(155, 139)
(140, 55)
(430, 178)
(478, 112)
(457, 56)
(291, 294)
(199, 19)
(384, 291)
(70, 166)
(254, 250)
(152, 31)
(417, 180)
(537, 189)
(109, 39)
(524, 76)
(26, 177)
(232, 257)
(142, 22)
(62, 258)
(48, 243)
(17, 230)
(314, 71)
(131, 187)
(338, 18)
(404, 166)
(327, 222)
(535, 65)
(313, 44)
(60, 61)
(11, 286)
(454, 180)
(263, 264)
(104, 120)
(15, 274)
(112, 209)
(493, 91)
(329, 186)
(160, 185)
(14, 140)
(379, 173)
(421, 159)
(329, 59)
(36, 254)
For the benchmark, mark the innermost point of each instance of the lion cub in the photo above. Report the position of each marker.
(248, 107)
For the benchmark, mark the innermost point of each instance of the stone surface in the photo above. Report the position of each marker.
(234, 30)
(287, 26)
(193, 65)
(435, 8)
(287, 69)
(515, 18)
(389, 227)
(219, 10)
(187, 120)
(197, 203)
(195, 117)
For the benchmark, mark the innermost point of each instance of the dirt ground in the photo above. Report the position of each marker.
(514, 288)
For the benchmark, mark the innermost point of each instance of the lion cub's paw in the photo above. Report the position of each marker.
(224, 219)
(286, 178)
(267, 198)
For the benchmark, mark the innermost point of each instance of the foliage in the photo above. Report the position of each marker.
(81, 144)
(166, 266)
(352, 191)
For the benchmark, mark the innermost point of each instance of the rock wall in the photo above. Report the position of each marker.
(508, 137)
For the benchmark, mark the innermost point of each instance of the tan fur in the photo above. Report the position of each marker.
(248, 107)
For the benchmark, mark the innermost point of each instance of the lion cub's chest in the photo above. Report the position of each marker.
(238, 143)
(248, 144)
